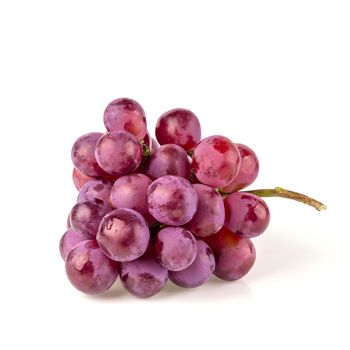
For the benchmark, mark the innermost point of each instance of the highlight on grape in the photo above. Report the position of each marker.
(148, 211)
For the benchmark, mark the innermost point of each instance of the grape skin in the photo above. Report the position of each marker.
(83, 155)
(125, 114)
(80, 179)
(143, 277)
(175, 248)
(118, 153)
(68, 241)
(179, 126)
(95, 189)
(210, 215)
(86, 216)
(89, 270)
(172, 200)
(246, 214)
(248, 170)
(234, 255)
(130, 191)
(123, 235)
(216, 161)
(199, 271)
(168, 160)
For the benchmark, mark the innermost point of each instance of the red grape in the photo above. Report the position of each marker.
(234, 255)
(125, 114)
(179, 126)
(89, 270)
(95, 189)
(123, 235)
(248, 170)
(79, 179)
(216, 161)
(118, 152)
(246, 214)
(68, 241)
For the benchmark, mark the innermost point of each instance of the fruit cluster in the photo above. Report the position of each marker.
(148, 212)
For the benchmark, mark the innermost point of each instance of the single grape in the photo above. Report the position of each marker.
(125, 114)
(234, 255)
(123, 235)
(199, 271)
(80, 179)
(89, 270)
(144, 276)
(172, 200)
(68, 241)
(210, 215)
(85, 217)
(175, 248)
(246, 214)
(216, 161)
(118, 153)
(248, 170)
(95, 189)
(169, 160)
(83, 154)
(130, 191)
(179, 126)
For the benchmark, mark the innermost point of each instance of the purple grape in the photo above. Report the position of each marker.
(248, 170)
(144, 276)
(85, 217)
(89, 270)
(216, 161)
(80, 179)
(210, 215)
(234, 255)
(83, 155)
(95, 189)
(125, 114)
(130, 191)
(199, 271)
(175, 248)
(246, 214)
(169, 160)
(179, 126)
(118, 153)
(123, 235)
(172, 200)
(68, 241)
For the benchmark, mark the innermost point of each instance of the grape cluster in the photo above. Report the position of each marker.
(148, 212)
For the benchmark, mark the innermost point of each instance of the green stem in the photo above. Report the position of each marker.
(281, 192)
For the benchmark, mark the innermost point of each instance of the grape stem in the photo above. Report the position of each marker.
(281, 192)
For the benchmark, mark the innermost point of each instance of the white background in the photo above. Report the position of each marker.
(271, 74)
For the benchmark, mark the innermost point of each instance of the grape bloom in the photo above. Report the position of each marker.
(150, 212)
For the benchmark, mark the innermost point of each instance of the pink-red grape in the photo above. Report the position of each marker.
(175, 248)
(85, 217)
(118, 152)
(68, 241)
(169, 160)
(172, 200)
(246, 214)
(179, 126)
(216, 161)
(89, 270)
(79, 179)
(123, 235)
(199, 271)
(125, 114)
(83, 154)
(234, 255)
(144, 276)
(248, 170)
(130, 191)
(95, 189)
(210, 215)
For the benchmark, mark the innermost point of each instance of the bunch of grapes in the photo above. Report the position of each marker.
(148, 211)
